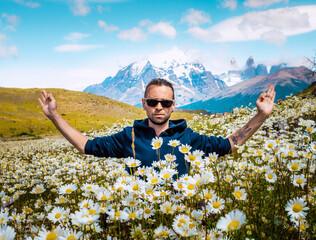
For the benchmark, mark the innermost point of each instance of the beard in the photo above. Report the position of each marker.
(159, 121)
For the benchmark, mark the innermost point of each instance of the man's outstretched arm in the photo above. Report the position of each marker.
(264, 105)
(49, 106)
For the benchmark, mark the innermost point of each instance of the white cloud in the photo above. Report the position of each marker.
(231, 4)
(195, 17)
(12, 19)
(80, 8)
(164, 29)
(206, 35)
(261, 25)
(106, 27)
(76, 47)
(273, 37)
(75, 36)
(28, 4)
(5, 50)
(262, 3)
(135, 34)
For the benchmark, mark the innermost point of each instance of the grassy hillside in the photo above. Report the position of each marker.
(21, 115)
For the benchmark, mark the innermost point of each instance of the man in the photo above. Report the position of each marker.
(159, 103)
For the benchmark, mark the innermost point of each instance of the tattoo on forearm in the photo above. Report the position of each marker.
(241, 134)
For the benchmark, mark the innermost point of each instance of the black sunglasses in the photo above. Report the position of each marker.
(164, 103)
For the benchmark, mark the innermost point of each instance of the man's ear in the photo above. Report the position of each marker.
(143, 103)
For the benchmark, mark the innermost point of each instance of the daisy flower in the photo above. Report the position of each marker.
(185, 148)
(174, 143)
(270, 145)
(217, 205)
(232, 221)
(313, 147)
(46, 234)
(208, 195)
(167, 208)
(148, 211)
(294, 166)
(38, 189)
(167, 173)
(7, 232)
(131, 162)
(57, 215)
(296, 207)
(67, 189)
(162, 232)
(156, 142)
(71, 234)
(271, 176)
(299, 180)
(170, 158)
(240, 194)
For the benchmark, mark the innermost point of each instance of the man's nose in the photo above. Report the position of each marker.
(159, 106)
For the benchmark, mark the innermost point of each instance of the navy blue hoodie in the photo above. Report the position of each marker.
(119, 145)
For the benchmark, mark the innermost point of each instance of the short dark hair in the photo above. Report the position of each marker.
(159, 82)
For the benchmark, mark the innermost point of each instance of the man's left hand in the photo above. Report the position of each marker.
(265, 102)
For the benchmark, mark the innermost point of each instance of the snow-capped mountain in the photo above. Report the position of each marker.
(192, 82)
(286, 82)
(250, 70)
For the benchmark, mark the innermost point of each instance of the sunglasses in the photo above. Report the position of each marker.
(164, 103)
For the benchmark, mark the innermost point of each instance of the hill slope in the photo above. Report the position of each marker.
(21, 114)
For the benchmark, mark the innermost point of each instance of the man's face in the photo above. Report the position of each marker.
(159, 115)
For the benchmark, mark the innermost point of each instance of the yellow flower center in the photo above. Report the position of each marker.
(166, 176)
(299, 181)
(270, 145)
(157, 145)
(68, 190)
(208, 196)
(57, 215)
(216, 205)
(51, 236)
(294, 167)
(133, 165)
(270, 176)
(86, 205)
(117, 214)
(192, 158)
(71, 237)
(297, 208)
(92, 211)
(238, 195)
(233, 225)
(132, 215)
(154, 180)
(147, 211)
(103, 197)
(135, 188)
(190, 186)
(185, 150)
(182, 220)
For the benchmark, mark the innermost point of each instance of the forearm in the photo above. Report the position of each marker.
(242, 135)
(76, 138)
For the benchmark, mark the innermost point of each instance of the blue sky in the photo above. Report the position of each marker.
(74, 43)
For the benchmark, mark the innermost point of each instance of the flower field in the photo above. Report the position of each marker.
(267, 190)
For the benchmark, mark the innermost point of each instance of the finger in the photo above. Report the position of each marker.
(270, 90)
(51, 97)
(273, 96)
(40, 102)
(43, 97)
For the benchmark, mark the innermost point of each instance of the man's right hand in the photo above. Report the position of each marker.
(48, 104)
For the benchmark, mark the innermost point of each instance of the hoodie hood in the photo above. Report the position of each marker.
(178, 125)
